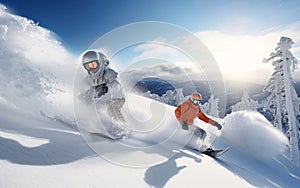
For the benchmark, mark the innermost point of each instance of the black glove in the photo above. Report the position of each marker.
(184, 125)
(218, 125)
(100, 90)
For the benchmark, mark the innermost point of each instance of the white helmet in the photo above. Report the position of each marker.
(94, 62)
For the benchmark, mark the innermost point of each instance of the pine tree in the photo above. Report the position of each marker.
(171, 97)
(211, 107)
(275, 87)
(283, 95)
(246, 104)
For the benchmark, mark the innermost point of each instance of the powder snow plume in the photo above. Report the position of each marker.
(36, 71)
(252, 133)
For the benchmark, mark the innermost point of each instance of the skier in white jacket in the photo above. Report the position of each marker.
(105, 87)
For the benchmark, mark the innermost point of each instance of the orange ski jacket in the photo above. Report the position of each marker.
(188, 111)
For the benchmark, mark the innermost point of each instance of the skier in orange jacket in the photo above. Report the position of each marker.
(188, 111)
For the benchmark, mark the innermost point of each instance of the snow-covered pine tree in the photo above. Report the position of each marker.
(171, 97)
(246, 104)
(211, 107)
(275, 87)
(283, 95)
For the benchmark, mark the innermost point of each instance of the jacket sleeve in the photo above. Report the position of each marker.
(115, 88)
(110, 76)
(178, 112)
(204, 118)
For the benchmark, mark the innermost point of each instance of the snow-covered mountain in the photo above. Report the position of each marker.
(40, 147)
(234, 89)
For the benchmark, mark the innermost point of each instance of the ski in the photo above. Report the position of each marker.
(102, 135)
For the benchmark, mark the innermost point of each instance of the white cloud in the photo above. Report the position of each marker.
(157, 59)
(171, 54)
(158, 49)
(240, 56)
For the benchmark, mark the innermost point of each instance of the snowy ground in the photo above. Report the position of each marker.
(41, 147)
(36, 151)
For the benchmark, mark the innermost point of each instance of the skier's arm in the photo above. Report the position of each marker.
(204, 118)
(115, 88)
(110, 77)
(178, 112)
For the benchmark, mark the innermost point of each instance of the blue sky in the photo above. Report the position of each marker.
(79, 23)
(239, 34)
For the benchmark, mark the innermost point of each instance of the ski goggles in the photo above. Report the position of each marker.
(91, 65)
(196, 101)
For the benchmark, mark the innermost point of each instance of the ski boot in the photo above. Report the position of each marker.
(208, 151)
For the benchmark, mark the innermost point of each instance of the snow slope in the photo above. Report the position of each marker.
(41, 147)
(36, 151)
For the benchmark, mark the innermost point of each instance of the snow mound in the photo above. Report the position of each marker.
(250, 132)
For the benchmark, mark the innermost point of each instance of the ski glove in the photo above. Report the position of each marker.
(184, 125)
(218, 125)
(100, 90)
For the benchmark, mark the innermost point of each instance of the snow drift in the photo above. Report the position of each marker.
(36, 71)
(252, 133)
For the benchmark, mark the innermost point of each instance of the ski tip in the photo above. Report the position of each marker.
(103, 136)
(227, 148)
(218, 154)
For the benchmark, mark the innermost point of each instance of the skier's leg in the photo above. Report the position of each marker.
(114, 109)
(110, 110)
(201, 134)
(118, 105)
(117, 128)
